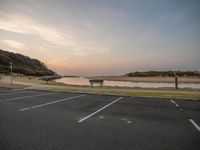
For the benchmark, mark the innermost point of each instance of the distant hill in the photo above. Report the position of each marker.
(163, 73)
(23, 65)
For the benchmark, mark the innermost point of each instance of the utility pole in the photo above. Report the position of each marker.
(11, 70)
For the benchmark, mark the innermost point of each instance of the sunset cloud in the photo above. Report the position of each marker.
(14, 44)
(55, 37)
(100, 37)
(26, 25)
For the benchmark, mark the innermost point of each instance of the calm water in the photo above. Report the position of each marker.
(84, 81)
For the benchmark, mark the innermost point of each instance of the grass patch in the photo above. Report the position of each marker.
(183, 93)
(128, 92)
(13, 86)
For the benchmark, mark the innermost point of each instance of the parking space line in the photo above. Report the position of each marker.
(175, 103)
(83, 119)
(53, 102)
(195, 124)
(172, 101)
(23, 97)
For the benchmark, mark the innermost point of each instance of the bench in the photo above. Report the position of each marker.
(96, 81)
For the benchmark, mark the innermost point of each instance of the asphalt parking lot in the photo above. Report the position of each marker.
(42, 120)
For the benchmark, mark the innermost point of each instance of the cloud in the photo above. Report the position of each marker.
(26, 25)
(13, 44)
(61, 38)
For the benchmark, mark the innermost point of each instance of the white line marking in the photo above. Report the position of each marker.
(23, 97)
(53, 102)
(127, 121)
(175, 103)
(83, 119)
(195, 124)
(101, 117)
(181, 109)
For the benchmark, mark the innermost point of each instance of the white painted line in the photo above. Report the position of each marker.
(195, 124)
(83, 119)
(181, 109)
(53, 102)
(10, 93)
(23, 97)
(175, 103)
(126, 120)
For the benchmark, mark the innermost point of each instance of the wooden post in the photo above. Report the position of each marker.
(11, 72)
(176, 82)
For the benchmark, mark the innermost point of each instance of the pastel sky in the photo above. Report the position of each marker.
(104, 37)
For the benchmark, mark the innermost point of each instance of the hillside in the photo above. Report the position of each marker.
(23, 64)
(163, 73)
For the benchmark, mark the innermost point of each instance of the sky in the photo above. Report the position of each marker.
(104, 37)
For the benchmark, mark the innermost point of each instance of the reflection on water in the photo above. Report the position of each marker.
(84, 81)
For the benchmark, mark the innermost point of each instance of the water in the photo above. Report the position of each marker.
(84, 81)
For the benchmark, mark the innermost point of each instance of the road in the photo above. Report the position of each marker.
(44, 120)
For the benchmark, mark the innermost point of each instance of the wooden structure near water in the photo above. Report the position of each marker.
(96, 81)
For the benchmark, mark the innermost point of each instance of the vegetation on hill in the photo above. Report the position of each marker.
(163, 73)
(23, 65)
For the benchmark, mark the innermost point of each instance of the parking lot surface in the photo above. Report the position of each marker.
(46, 120)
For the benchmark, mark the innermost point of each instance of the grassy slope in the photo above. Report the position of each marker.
(22, 64)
